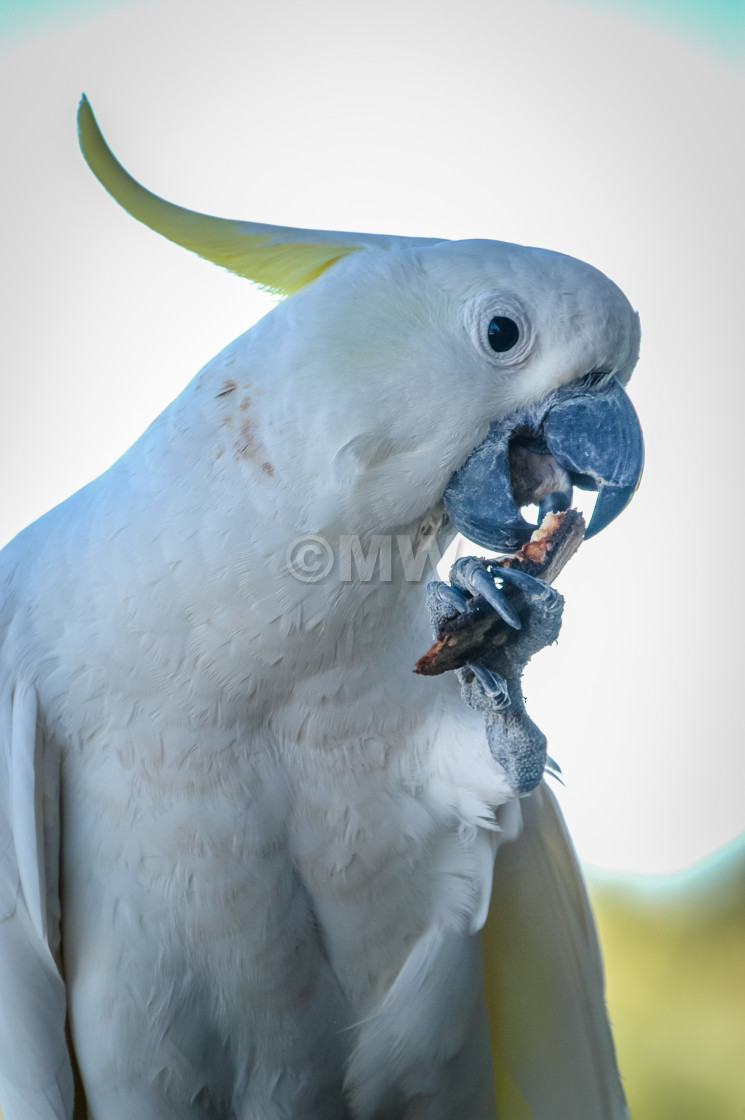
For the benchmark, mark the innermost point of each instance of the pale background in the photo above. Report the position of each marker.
(614, 134)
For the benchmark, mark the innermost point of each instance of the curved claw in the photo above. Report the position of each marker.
(477, 578)
(494, 685)
(530, 584)
(483, 584)
(554, 770)
(449, 597)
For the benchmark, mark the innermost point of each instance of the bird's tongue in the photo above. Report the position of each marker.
(536, 477)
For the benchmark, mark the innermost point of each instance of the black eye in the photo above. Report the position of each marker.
(503, 334)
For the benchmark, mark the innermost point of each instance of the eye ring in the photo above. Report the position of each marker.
(500, 328)
(502, 334)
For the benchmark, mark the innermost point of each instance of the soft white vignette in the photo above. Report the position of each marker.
(541, 123)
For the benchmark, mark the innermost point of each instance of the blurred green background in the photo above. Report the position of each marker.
(675, 971)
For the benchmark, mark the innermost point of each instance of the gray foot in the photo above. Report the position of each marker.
(491, 684)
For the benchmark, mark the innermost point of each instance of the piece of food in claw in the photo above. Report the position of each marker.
(463, 637)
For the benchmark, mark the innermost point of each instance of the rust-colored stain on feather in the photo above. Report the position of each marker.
(245, 446)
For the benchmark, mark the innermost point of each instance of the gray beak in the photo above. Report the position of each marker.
(589, 437)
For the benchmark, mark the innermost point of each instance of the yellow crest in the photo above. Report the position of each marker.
(280, 259)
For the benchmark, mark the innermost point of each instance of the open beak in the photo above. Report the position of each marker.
(583, 436)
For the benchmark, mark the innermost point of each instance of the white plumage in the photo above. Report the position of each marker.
(244, 848)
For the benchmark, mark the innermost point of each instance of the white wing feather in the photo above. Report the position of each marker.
(428, 1037)
(35, 1072)
(553, 1052)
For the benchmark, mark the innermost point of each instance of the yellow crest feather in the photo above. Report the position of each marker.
(278, 259)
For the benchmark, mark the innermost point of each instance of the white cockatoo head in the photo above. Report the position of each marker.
(404, 371)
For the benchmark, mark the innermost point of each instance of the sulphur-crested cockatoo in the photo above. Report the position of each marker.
(249, 859)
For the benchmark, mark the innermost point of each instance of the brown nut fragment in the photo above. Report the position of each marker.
(463, 637)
